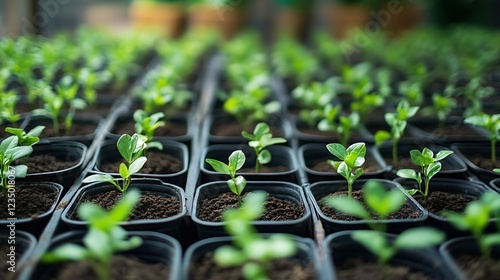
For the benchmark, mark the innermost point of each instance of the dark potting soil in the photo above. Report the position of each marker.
(157, 163)
(98, 108)
(30, 202)
(443, 201)
(265, 169)
(122, 268)
(322, 165)
(172, 129)
(405, 162)
(208, 269)
(76, 130)
(359, 269)
(406, 212)
(447, 130)
(314, 131)
(477, 268)
(47, 163)
(150, 206)
(233, 129)
(275, 209)
(483, 161)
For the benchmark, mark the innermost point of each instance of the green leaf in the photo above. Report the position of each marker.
(240, 184)
(16, 131)
(442, 154)
(97, 243)
(274, 141)
(98, 178)
(237, 159)
(124, 172)
(248, 136)
(412, 192)
(260, 130)
(218, 166)
(122, 210)
(337, 150)
(21, 171)
(491, 240)
(381, 136)
(91, 212)
(19, 152)
(407, 173)
(66, 252)
(8, 143)
(417, 158)
(357, 173)
(419, 238)
(282, 246)
(125, 146)
(433, 169)
(349, 206)
(137, 165)
(375, 242)
(155, 145)
(344, 170)
(264, 157)
(227, 256)
(381, 201)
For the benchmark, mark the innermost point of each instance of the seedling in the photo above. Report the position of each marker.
(8, 101)
(10, 150)
(342, 126)
(26, 139)
(104, 238)
(397, 121)
(146, 125)
(312, 98)
(497, 170)
(236, 161)
(430, 166)
(380, 201)
(250, 250)
(443, 106)
(475, 219)
(131, 148)
(259, 140)
(412, 92)
(89, 81)
(490, 123)
(350, 162)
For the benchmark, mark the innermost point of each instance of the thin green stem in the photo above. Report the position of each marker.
(55, 124)
(102, 268)
(349, 188)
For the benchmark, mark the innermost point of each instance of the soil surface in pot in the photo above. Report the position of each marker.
(290, 269)
(359, 269)
(447, 130)
(30, 202)
(405, 162)
(77, 129)
(406, 212)
(232, 128)
(483, 161)
(276, 209)
(302, 128)
(157, 163)
(172, 129)
(476, 268)
(96, 109)
(265, 169)
(122, 268)
(440, 201)
(46, 163)
(150, 206)
(322, 165)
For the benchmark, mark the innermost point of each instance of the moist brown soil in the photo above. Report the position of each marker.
(448, 130)
(406, 212)
(443, 201)
(359, 269)
(265, 169)
(76, 130)
(322, 165)
(276, 209)
(122, 268)
(406, 162)
(278, 269)
(302, 128)
(29, 202)
(99, 109)
(47, 163)
(477, 268)
(483, 161)
(5, 274)
(150, 206)
(157, 163)
(233, 129)
(172, 129)
(25, 107)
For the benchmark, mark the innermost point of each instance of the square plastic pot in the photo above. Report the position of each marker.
(25, 244)
(282, 190)
(317, 191)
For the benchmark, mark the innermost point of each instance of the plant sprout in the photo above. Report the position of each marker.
(26, 139)
(350, 162)
(397, 121)
(342, 126)
(443, 106)
(8, 101)
(146, 125)
(250, 250)
(492, 124)
(131, 148)
(312, 98)
(236, 161)
(9, 152)
(259, 140)
(104, 238)
(430, 166)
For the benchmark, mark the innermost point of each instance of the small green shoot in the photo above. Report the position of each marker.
(259, 140)
(26, 139)
(430, 166)
(351, 160)
(103, 239)
(131, 148)
(397, 121)
(236, 161)
(443, 106)
(10, 150)
(490, 123)
(146, 125)
(342, 126)
(250, 250)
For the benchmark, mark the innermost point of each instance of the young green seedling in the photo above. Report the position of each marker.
(26, 139)
(131, 148)
(236, 161)
(397, 121)
(443, 106)
(259, 140)
(350, 162)
(251, 251)
(312, 98)
(146, 125)
(430, 166)
(8, 101)
(490, 123)
(9, 152)
(475, 219)
(378, 244)
(342, 126)
(104, 238)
